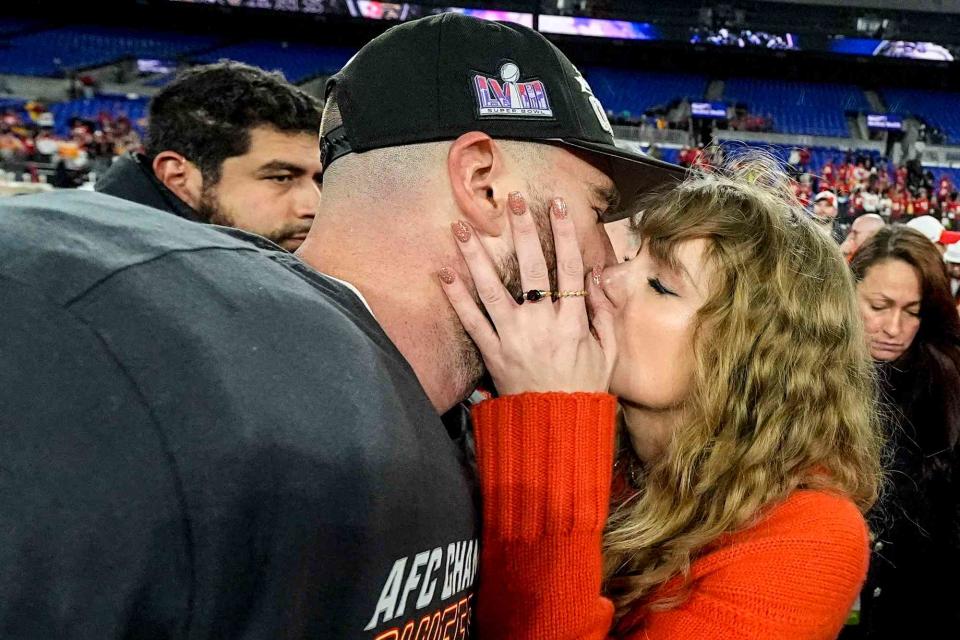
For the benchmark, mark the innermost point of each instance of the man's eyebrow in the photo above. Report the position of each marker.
(609, 195)
(280, 165)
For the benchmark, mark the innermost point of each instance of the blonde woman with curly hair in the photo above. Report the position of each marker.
(729, 362)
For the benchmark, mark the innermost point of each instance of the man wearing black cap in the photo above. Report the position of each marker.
(203, 437)
(438, 121)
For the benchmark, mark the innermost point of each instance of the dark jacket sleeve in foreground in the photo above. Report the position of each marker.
(81, 460)
(202, 437)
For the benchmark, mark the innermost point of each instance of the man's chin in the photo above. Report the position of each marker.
(292, 243)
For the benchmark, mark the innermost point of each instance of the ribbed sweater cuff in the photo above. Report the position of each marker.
(545, 462)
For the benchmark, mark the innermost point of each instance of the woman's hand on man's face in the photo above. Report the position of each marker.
(535, 345)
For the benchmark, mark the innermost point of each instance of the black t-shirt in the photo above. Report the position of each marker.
(202, 437)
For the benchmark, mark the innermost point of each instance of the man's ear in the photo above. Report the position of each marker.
(475, 168)
(179, 175)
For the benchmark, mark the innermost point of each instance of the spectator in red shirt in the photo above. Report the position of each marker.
(828, 176)
(951, 209)
(945, 189)
(843, 173)
(860, 172)
(921, 204)
(900, 200)
(856, 202)
(699, 158)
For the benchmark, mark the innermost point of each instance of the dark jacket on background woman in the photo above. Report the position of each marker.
(913, 585)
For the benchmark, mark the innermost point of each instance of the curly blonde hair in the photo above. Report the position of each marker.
(783, 394)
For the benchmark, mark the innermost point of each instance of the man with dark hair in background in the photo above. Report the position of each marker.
(229, 144)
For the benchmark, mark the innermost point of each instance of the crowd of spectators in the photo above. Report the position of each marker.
(895, 192)
(32, 150)
(862, 184)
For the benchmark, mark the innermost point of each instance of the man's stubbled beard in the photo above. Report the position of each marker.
(212, 211)
(508, 268)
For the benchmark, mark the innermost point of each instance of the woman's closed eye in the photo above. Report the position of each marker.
(657, 286)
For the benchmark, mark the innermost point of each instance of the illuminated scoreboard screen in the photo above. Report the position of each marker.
(399, 11)
(603, 28)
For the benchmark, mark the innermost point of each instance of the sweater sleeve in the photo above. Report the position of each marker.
(545, 463)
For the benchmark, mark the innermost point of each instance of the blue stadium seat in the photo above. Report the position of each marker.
(11, 26)
(12, 103)
(297, 62)
(799, 107)
(937, 108)
(670, 155)
(637, 91)
(52, 52)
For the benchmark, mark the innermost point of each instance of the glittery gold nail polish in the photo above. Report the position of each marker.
(559, 208)
(447, 275)
(597, 271)
(516, 203)
(461, 230)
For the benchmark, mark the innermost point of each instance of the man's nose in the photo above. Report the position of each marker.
(605, 254)
(308, 201)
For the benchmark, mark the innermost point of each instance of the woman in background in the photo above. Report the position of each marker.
(914, 335)
(748, 447)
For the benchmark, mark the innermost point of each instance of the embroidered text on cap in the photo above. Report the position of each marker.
(597, 107)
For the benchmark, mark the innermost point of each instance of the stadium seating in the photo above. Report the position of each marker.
(12, 26)
(52, 52)
(298, 62)
(799, 107)
(936, 108)
(632, 93)
(670, 155)
(11, 103)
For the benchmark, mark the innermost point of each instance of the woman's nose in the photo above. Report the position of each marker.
(891, 325)
(616, 283)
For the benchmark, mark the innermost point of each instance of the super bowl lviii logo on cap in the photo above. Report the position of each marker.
(507, 96)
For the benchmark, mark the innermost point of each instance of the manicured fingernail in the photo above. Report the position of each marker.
(461, 230)
(447, 276)
(558, 207)
(516, 203)
(597, 271)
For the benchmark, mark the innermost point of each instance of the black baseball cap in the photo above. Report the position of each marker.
(439, 77)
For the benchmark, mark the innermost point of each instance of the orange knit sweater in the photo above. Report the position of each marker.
(545, 465)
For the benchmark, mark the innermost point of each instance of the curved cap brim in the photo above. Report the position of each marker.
(633, 173)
